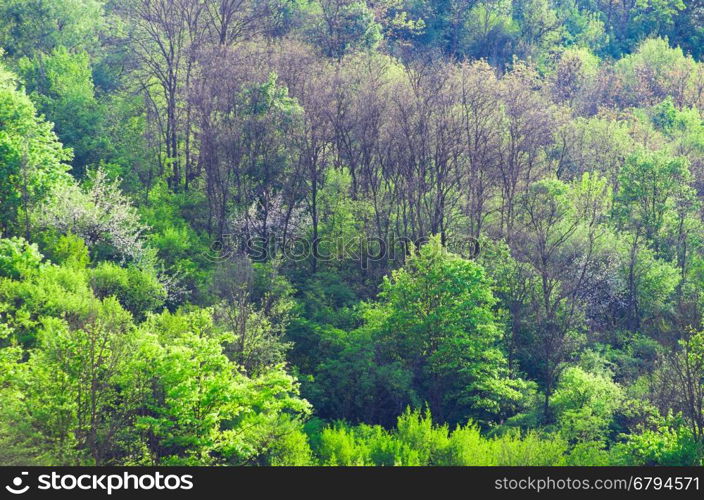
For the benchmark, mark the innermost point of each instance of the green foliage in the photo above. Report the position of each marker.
(61, 86)
(290, 448)
(436, 320)
(594, 144)
(417, 442)
(650, 185)
(18, 258)
(670, 444)
(67, 249)
(574, 71)
(343, 26)
(584, 404)
(96, 389)
(64, 398)
(654, 71)
(137, 290)
(204, 410)
(154, 309)
(184, 252)
(42, 25)
(40, 296)
(31, 158)
(491, 32)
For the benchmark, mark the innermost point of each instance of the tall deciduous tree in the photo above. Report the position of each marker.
(436, 319)
(32, 160)
(559, 239)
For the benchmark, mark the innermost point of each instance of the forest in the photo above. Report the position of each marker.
(351, 232)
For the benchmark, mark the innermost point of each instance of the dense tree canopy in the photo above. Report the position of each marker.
(349, 232)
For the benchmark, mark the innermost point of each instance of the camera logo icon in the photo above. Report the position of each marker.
(16, 487)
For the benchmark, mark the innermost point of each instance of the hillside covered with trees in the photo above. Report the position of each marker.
(349, 232)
